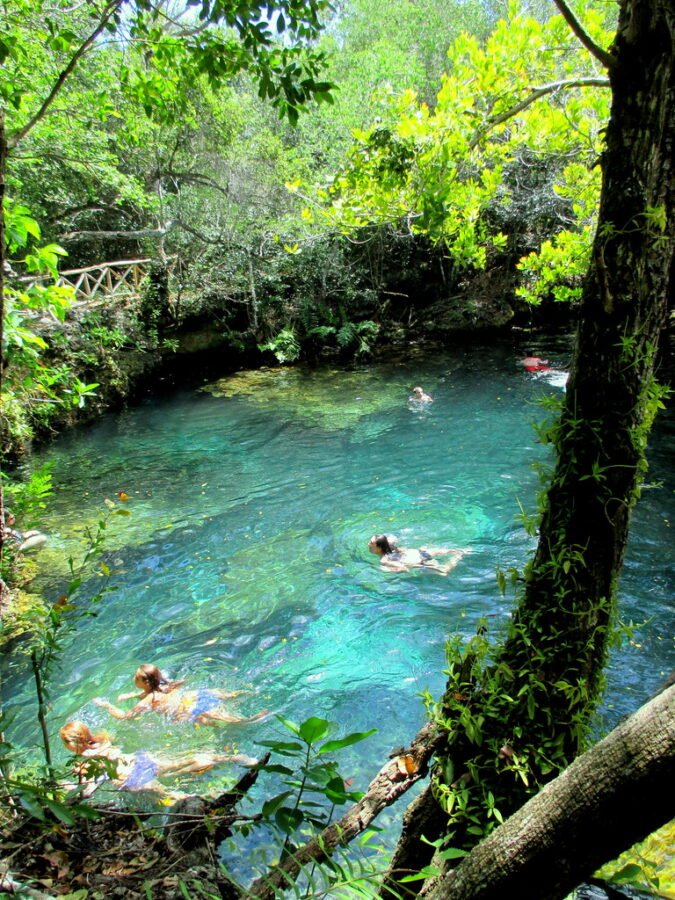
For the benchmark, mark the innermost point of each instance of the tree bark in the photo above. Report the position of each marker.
(611, 797)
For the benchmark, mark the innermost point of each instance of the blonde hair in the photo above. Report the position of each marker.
(78, 737)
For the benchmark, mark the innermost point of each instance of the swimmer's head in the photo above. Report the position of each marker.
(149, 678)
(381, 544)
(79, 738)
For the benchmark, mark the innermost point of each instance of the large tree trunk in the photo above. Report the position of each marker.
(611, 797)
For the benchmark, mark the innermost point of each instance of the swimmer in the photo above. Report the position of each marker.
(420, 396)
(23, 540)
(534, 364)
(203, 706)
(403, 559)
(135, 771)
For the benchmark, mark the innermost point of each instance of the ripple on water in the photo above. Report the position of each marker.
(244, 559)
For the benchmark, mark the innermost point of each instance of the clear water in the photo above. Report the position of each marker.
(244, 560)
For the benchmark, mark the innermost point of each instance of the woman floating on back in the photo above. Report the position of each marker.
(203, 706)
(402, 559)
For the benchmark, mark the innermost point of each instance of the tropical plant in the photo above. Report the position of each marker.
(314, 777)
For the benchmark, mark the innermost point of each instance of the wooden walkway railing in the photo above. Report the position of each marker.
(120, 279)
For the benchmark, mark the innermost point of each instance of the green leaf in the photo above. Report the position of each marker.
(628, 874)
(285, 748)
(452, 853)
(272, 805)
(31, 805)
(423, 874)
(290, 725)
(354, 738)
(62, 813)
(280, 770)
(289, 820)
(313, 729)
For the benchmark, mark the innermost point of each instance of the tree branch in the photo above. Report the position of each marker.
(142, 234)
(531, 98)
(18, 136)
(72, 211)
(594, 49)
(612, 796)
(195, 178)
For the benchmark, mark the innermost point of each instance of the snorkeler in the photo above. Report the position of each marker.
(203, 706)
(402, 559)
(135, 771)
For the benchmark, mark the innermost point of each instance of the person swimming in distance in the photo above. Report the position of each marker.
(403, 559)
(534, 364)
(134, 771)
(203, 706)
(420, 396)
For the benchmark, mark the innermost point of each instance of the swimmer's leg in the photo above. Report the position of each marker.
(218, 716)
(457, 555)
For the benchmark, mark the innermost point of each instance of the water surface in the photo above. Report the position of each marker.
(244, 563)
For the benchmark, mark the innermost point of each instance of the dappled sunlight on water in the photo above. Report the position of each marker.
(244, 563)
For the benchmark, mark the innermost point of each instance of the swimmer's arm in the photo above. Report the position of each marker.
(132, 695)
(443, 551)
(116, 712)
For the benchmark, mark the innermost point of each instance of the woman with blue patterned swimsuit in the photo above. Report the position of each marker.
(138, 771)
(203, 706)
(403, 559)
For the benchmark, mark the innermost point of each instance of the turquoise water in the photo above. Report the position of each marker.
(243, 562)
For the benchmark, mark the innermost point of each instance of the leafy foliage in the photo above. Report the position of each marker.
(443, 172)
(315, 776)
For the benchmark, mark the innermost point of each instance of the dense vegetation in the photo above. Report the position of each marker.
(332, 236)
(424, 192)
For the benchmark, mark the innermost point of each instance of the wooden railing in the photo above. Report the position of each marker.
(120, 279)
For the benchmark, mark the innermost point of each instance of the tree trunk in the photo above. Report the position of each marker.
(512, 726)
(611, 797)
(610, 401)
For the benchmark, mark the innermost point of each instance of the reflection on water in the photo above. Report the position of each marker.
(244, 561)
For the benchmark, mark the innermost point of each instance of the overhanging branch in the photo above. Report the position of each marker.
(532, 97)
(108, 13)
(602, 55)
